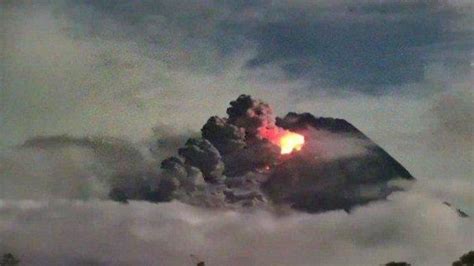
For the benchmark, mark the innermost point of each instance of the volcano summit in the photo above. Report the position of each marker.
(252, 159)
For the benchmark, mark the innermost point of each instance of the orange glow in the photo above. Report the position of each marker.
(291, 141)
(287, 141)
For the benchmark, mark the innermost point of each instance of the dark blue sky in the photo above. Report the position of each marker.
(373, 47)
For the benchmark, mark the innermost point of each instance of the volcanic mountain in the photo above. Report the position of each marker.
(338, 168)
(251, 158)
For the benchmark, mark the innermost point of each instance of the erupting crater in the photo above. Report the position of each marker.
(291, 141)
(287, 141)
(252, 158)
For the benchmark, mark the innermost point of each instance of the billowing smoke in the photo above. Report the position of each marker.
(238, 162)
(201, 154)
(104, 68)
(224, 136)
(229, 191)
(250, 114)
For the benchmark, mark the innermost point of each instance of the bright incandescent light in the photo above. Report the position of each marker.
(290, 141)
(287, 141)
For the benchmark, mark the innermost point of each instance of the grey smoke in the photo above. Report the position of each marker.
(225, 136)
(250, 114)
(70, 75)
(203, 155)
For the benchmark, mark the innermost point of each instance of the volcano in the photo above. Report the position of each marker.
(252, 159)
(338, 168)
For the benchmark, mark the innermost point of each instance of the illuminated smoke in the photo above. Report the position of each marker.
(287, 141)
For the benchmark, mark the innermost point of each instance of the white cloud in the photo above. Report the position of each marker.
(70, 172)
(57, 84)
(414, 227)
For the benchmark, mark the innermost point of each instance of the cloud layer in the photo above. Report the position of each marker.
(103, 67)
(399, 71)
(413, 227)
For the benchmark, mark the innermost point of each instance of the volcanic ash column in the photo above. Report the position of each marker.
(313, 164)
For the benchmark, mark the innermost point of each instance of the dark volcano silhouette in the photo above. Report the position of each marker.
(338, 167)
(237, 163)
(313, 183)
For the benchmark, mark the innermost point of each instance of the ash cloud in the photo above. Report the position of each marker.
(238, 136)
(203, 155)
(252, 173)
(103, 68)
(250, 114)
(226, 137)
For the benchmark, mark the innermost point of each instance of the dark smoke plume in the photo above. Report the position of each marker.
(203, 155)
(234, 163)
(338, 167)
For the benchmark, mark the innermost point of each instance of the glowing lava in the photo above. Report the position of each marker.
(287, 141)
(291, 141)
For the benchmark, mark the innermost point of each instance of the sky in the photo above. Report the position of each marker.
(400, 71)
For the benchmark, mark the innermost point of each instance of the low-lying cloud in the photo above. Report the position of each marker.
(85, 69)
(414, 227)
